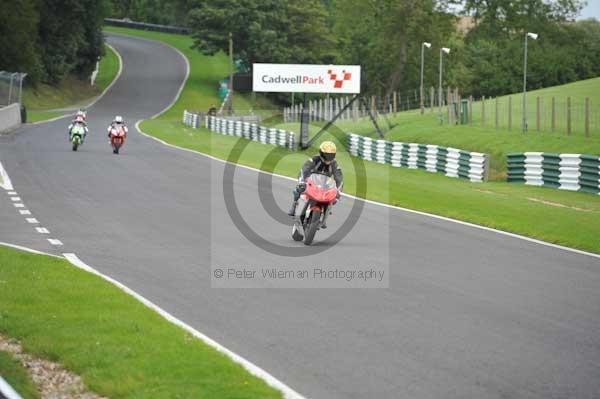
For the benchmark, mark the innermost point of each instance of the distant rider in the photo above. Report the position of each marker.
(79, 120)
(82, 113)
(323, 163)
(116, 123)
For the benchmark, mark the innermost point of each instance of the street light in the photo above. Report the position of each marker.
(428, 45)
(442, 51)
(534, 36)
(230, 108)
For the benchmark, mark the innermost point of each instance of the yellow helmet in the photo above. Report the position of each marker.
(327, 151)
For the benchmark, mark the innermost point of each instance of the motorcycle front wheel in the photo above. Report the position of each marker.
(311, 227)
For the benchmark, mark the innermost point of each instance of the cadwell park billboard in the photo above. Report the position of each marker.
(306, 78)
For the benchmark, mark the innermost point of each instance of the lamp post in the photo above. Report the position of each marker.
(442, 51)
(230, 105)
(423, 45)
(534, 36)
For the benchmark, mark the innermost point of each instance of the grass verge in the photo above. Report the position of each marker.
(119, 347)
(107, 71)
(38, 116)
(17, 377)
(566, 218)
(412, 127)
(43, 101)
(200, 92)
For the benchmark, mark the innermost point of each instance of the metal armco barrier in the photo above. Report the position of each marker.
(144, 26)
(453, 162)
(573, 172)
(240, 128)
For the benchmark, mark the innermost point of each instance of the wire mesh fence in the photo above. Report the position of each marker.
(11, 86)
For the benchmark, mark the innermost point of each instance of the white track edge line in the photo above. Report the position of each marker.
(8, 391)
(27, 249)
(421, 213)
(113, 81)
(187, 75)
(249, 366)
(187, 67)
(6, 183)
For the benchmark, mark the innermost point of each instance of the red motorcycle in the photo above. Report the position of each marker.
(117, 138)
(320, 194)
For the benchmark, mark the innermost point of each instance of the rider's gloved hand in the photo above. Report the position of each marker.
(301, 187)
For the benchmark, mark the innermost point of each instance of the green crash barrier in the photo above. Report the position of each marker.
(573, 172)
(452, 162)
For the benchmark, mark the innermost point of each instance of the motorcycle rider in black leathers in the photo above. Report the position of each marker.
(323, 163)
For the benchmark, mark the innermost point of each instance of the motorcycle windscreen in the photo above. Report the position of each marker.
(324, 182)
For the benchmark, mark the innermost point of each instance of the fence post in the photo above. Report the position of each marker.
(587, 117)
(569, 116)
(496, 116)
(431, 98)
(483, 111)
(395, 102)
(470, 110)
(553, 117)
(537, 113)
(509, 113)
(449, 104)
(373, 106)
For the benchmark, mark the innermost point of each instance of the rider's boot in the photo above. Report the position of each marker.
(292, 211)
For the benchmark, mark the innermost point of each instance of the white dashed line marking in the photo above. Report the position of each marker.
(54, 241)
(12, 193)
(32, 220)
(42, 230)
(25, 212)
(15, 199)
(19, 205)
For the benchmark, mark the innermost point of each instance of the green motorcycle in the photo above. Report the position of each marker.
(77, 133)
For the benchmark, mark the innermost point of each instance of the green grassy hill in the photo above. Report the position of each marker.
(411, 126)
(45, 101)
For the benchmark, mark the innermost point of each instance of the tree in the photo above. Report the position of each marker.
(18, 38)
(263, 31)
(493, 50)
(166, 12)
(70, 37)
(385, 37)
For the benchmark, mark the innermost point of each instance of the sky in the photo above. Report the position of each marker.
(592, 10)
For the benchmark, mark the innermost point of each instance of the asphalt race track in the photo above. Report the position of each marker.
(469, 313)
